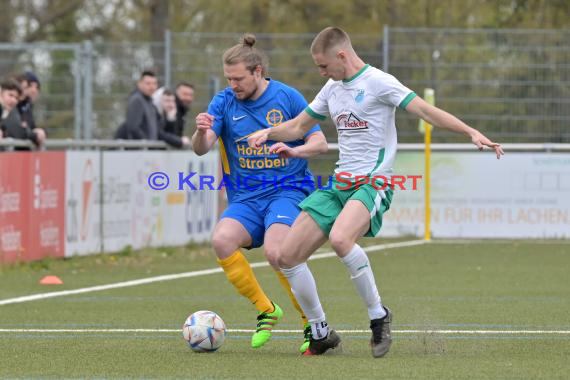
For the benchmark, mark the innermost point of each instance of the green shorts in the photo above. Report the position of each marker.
(325, 205)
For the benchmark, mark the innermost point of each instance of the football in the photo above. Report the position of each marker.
(204, 331)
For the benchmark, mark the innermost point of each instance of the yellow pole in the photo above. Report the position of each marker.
(426, 128)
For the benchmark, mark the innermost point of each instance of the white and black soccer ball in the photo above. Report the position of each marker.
(204, 331)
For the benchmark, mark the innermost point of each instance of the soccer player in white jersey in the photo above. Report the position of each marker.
(361, 100)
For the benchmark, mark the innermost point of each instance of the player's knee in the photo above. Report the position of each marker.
(272, 256)
(284, 261)
(340, 242)
(223, 244)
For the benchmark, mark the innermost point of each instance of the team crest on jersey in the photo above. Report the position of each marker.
(274, 117)
(359, 96)
(349, 122)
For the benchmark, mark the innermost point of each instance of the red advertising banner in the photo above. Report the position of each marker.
(32, 196)
(15, 182)
(47, 205)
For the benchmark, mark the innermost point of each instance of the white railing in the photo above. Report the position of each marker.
(543, 147)
(65, 144)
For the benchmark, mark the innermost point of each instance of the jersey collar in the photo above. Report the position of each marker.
(356, 75)
(264, 95)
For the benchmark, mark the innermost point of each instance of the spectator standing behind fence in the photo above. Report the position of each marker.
(11, 123)
(30, 85)
(184, 96)
(167, 111)
(9, 94)
(143, 121)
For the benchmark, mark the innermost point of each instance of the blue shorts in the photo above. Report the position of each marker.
(256, 215)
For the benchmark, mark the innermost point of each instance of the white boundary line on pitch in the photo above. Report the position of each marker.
(437, 332)
(168, 277)
(500, 241)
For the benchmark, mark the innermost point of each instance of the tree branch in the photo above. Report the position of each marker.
(46, 19)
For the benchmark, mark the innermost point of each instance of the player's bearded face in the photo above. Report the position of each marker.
(243, 82)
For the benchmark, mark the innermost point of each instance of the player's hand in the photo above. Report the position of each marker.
(171, 115)
(481, 141)
(283, 150)
(258, 138)
(185, 141)
(40, 135)
(204, 122)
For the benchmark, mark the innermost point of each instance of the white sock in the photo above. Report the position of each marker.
(361, 274)
(319, 330)
(304, 288)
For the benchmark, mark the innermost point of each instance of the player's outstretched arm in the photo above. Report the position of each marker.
(438, 117)
(315, 144)
(204, 137)
(290, 130)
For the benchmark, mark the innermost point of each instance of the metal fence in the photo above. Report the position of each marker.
(511, 84)
(116, 69)
(197, 57)
(59, 68)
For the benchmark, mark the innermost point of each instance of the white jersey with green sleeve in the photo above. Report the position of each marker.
(363, 110)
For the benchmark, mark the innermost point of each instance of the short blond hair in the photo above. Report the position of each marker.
(329, 39)
(246, 53)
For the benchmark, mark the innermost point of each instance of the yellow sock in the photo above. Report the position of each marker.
(239, 273)
(283, 280)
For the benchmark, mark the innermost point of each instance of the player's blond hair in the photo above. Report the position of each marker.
(246, 53)
(329, 39)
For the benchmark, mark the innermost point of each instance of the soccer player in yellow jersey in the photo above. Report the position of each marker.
(264, 189)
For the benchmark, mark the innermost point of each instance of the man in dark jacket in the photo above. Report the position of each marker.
(167, 111)
(30, 84)
(184, 97)
(143, 121)
(11, 124)
(9, 93)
